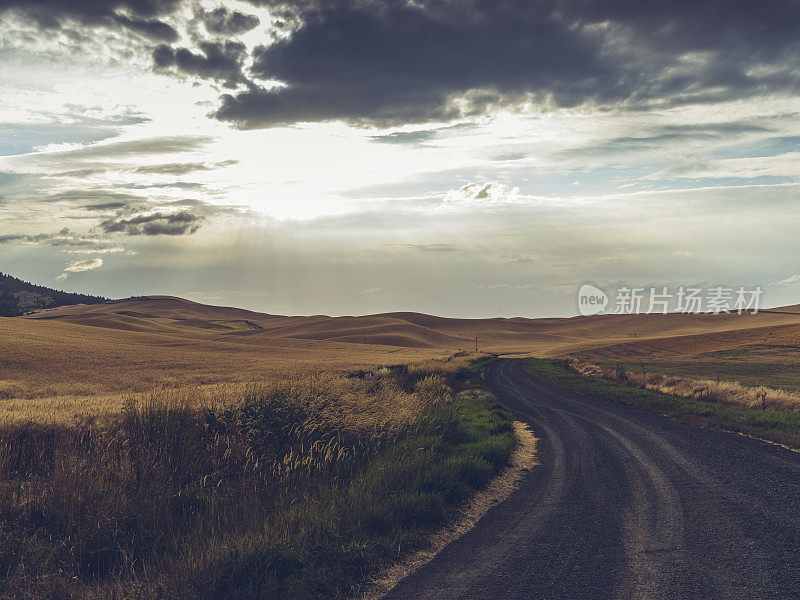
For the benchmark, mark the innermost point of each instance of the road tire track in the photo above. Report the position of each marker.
(626, 505)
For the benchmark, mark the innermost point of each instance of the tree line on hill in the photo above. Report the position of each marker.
(18, 297)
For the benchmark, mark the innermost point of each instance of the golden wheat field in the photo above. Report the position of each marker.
(82, 361)
(61, 369)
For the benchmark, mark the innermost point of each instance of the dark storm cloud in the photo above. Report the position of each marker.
(225, 22)
(382, 63)
(764, 28)
(157, 223)
(152, 28)
(141, 16)
(391, 64)
(220, 61)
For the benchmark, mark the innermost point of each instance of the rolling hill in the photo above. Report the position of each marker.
(622, 334)
(76, 360)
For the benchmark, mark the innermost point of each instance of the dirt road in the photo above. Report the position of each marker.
(627, 504)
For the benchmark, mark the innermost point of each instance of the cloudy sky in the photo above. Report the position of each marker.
(458, 157)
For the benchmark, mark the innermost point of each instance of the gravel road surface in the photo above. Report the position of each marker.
(626, 504)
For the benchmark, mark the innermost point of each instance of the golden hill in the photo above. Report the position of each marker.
(77, 360)
(544, 337)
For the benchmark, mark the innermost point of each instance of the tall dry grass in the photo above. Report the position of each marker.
(723, 392)
(277, 490)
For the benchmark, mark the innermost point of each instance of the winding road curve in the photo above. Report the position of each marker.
(626, 504)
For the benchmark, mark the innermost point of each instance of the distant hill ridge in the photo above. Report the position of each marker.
(18, 297)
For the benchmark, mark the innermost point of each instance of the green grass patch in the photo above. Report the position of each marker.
(780, 427)
(339, 533)
(479, 365)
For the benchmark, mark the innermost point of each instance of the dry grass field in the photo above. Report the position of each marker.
(157, 447)
(763, 355)
(79, 361)
(758, 397)
(293, 488)
(61, 368)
